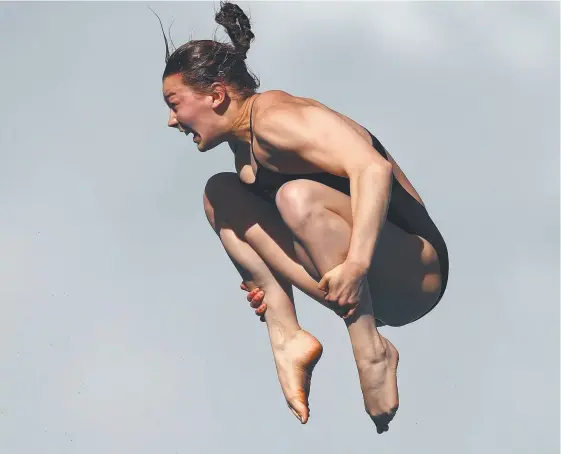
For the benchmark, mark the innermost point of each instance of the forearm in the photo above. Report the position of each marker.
(370, 195)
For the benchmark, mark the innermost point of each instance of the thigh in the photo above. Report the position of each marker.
(260, 225)
(404, 278)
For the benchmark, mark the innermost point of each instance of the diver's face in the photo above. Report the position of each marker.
(190, 112)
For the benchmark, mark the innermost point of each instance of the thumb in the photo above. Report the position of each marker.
(324, 283)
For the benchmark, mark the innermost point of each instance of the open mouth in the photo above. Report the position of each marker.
(188, 131)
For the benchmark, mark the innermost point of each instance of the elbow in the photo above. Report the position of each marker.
(380, 169)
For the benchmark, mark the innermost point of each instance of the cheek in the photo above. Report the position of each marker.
(183, 115)
(189, 115)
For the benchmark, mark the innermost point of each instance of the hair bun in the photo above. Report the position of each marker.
(237, 25)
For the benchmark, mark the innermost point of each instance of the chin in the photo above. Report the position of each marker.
(204, 146)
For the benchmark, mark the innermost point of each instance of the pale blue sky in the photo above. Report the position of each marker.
(123, 329)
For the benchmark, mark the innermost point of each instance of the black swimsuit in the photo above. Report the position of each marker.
(404, 210)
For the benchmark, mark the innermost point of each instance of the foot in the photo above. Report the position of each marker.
(378, 380)
(295, 359)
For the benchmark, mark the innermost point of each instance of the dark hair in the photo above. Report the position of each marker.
(203, 62)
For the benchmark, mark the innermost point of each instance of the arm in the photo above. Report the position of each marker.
(370, 194)
(325, 140)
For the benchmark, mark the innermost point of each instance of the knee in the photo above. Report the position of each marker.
(296, 203)
(216, 192)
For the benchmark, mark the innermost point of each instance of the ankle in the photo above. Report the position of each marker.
(281, 334)
(375, 352)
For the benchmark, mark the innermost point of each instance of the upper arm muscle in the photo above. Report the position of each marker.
(318, 136)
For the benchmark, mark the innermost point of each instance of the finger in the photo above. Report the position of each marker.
(340, 311)
(244, 287)
(332, 296)
(328, 293)
(260, 311)
(333, 301)
(324, 283)
(341, 306)
(349, 314)
(350, 311)
(257, 300)
(252, 294)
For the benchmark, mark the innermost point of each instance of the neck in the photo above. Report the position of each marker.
(240, 127)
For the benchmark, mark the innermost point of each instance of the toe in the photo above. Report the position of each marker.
(382, 421)
(300, 410)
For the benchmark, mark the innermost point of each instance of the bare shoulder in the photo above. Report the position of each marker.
(318, 134)
(279, 111)
(283, 120)
(274, 102)
(289, 124)
(273, 97)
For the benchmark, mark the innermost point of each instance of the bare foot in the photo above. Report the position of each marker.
(295, 359)
(378, 380)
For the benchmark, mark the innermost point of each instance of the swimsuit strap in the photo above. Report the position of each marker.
(251, 132)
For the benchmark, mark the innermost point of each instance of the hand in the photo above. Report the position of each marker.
(255, 298)
(344, 286)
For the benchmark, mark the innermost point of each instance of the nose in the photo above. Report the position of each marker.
(172, 120)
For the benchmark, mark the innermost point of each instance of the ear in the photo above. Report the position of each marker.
(219, 94)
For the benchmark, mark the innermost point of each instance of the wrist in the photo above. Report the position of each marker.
(359, 267)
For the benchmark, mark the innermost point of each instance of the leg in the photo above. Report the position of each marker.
(404, 279)
(296, 352)
(321, 219)
(261, 227)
